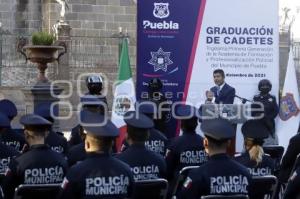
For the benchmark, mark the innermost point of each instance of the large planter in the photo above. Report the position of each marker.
(42, 55)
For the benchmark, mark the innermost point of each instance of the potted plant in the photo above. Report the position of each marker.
(43, 51)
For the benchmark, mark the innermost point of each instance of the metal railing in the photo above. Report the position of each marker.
(84, 53)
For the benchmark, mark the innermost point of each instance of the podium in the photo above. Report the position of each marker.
(235, 113)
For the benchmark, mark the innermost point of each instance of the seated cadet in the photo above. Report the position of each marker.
(6, 152)
(7, 135)
(145, 164)
(100, 175)
(56, 141)
(94, 84)
(157, 141)
(220, 175)
(292, 190)
(77, 152)
(289, 158)
(258, 163)
(187, 149)
(39, 165)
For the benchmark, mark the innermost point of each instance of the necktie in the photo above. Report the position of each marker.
(218, 90)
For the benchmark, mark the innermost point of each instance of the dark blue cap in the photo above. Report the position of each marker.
(44, 110)
(138, 120)
(255, 129)
(146, 107)
(8, 108)
(34, 120)
(218, 129)
(4, 121)
(187, 111)
(98, 125)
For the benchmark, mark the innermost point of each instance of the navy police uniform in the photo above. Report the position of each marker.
(157, 141)
(39, 165)
(90, 100)
(220, 175)
(56, 141)
(256, 130)
(156, 96)
(6, 152)
(100, 175)
(6, 155)
(270, 105)
(187, 149)
(8, 136)
(151, 167)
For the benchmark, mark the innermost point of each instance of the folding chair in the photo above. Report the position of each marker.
(225, 197)
(276, 153)
(263, 187)
(180, 179)
(151, 189)
(35, 191)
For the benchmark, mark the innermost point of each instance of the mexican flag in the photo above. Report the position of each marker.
(124, 93)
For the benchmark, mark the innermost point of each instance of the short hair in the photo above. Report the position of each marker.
(103, 143)
(217, 144)
(189, 124)
(38, 130)
(220, 71)
(137, 134)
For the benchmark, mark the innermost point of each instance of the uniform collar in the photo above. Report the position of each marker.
(97, 154)
(39, 146)
(220, 156)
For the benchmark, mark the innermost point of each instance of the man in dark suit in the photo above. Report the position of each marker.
(222, 93)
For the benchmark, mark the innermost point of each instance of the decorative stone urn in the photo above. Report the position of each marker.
(42, 55)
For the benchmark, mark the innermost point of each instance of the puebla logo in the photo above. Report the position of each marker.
(161, 10)
(288, 107)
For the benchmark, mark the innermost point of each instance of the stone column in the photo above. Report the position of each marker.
(64, 31)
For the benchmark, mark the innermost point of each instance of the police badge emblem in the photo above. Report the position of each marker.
(161, 10)
(288, 107)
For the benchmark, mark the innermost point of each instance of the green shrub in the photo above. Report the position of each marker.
(42, 38)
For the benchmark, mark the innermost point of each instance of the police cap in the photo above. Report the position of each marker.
(218, 129)
(8, 108)
(138, 120)
(4, 121)
(255, 129)
(34, 120)
(98, 125)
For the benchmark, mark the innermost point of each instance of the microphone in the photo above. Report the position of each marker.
(244, 100)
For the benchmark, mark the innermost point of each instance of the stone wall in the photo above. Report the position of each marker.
(92, 47)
